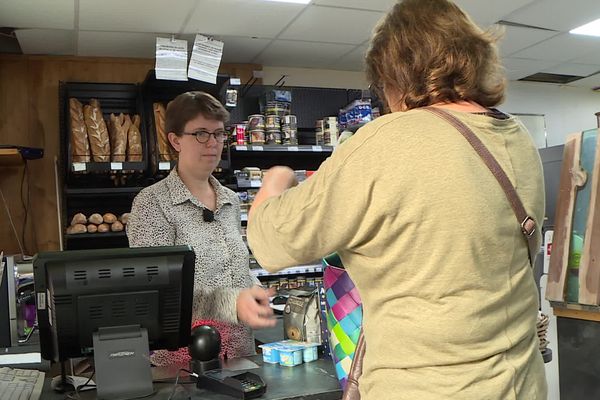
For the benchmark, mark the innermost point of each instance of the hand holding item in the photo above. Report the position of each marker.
(276, 181)
(253, 307)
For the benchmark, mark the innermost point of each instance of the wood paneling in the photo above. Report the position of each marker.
(29, 116)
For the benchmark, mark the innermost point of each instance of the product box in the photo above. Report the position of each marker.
(301, 319)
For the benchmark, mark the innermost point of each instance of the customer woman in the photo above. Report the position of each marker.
(422, 226)
(191, 207)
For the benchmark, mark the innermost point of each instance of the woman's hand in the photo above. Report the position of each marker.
(276, 181)
(253, 307)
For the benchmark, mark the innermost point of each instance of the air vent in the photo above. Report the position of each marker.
(62, 299)
(170, 324)
(80, 275)
(104, 273)
(152, 271)
(551, 78)
(170, 311)
(96, 312)
(128, 272)
(142, 309)
(118, 309)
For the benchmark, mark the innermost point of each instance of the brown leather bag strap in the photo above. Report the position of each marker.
(527, 223)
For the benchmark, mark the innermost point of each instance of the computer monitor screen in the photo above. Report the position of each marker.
(115, 304)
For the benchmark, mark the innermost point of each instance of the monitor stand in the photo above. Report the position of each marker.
(122, 362)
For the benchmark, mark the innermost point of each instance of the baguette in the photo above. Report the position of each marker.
(118, 137)
(80, 145)
(97, 132)
(164, 148)
(134, 139)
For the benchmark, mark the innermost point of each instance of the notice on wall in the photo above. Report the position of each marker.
(171, 59)
(206, 58)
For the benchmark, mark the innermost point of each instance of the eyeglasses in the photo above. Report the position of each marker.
(203, 136)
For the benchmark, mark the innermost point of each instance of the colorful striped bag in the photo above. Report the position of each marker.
(344, 315)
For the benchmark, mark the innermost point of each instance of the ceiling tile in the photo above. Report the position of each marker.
(517, 38)
(353, 61)
(326, 24)
(573, 69)
(517, 68)
(563, 47)
(46, 41)
(55, 14)
(117, 44)
(375, 5)
(235, 49)
(486, 13)
(559, 15)
(302, 54)
(589, 82)
(133, 15)
(247, 18)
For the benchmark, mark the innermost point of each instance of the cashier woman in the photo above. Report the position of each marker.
(191, 207)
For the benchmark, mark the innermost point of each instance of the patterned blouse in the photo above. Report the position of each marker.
(167, 214)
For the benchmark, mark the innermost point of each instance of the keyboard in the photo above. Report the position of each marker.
(20, 384)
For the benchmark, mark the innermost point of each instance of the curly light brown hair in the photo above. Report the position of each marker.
(429, 51)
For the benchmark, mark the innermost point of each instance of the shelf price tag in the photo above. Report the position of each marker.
(116, 165)
(255, 184)
(317, 148)
(164, 165)
(79, 166)
(244, 217)
(241, 148)
(257, 148)
(293, 148)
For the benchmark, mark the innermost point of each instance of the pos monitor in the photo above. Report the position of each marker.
(116, 304)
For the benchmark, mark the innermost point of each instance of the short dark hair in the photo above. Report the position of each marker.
(430, 51)
(188, 106)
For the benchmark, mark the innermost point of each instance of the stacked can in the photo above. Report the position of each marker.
(319, 132)
(273, 125)
(330, 131)
(279, 108)
(256, 128)
(289, 130)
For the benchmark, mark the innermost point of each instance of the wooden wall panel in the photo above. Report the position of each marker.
(29, 116)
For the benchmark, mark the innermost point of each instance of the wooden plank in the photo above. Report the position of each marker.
(10, 157)
(571, 177)
(577, 314)
(589, 268)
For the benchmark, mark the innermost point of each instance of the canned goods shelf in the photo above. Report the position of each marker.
(282, 148)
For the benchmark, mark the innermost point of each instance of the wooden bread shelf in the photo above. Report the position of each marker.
(10, 157)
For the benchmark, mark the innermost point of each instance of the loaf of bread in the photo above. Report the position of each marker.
(124, 218)
(95, 219)
(117, 129)
(97, 132)
(79, 218)
(80, 145)
(134, 139)
(103, 228)
(164, 149)
(109, 218)
(91, 228)
(116, 226)
(76, 229)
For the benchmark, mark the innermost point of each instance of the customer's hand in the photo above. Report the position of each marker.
(276, 181)
(253, 307)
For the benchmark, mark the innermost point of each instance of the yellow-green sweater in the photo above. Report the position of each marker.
(428, 236)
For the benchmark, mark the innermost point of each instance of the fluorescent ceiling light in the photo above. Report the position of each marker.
(591, 29)
(292, 1)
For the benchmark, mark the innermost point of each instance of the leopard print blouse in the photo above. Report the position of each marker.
(167, 214)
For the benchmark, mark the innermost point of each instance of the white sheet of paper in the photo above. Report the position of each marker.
(205, 60)
(25, 358)
(171, 59)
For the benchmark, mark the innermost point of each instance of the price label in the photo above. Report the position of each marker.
(255, 184)
(241, 148)
(317, 148)
(164, 165)
(257, 148)
(293, 148)
(244, 217)
(116, 165)
(79, 166)
(235, 81)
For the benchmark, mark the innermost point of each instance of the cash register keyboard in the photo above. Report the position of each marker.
(20, 384)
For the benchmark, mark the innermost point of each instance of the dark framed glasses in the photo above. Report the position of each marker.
(203, 136)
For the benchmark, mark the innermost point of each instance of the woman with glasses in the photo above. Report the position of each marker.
(191, 207)
(422, 226)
